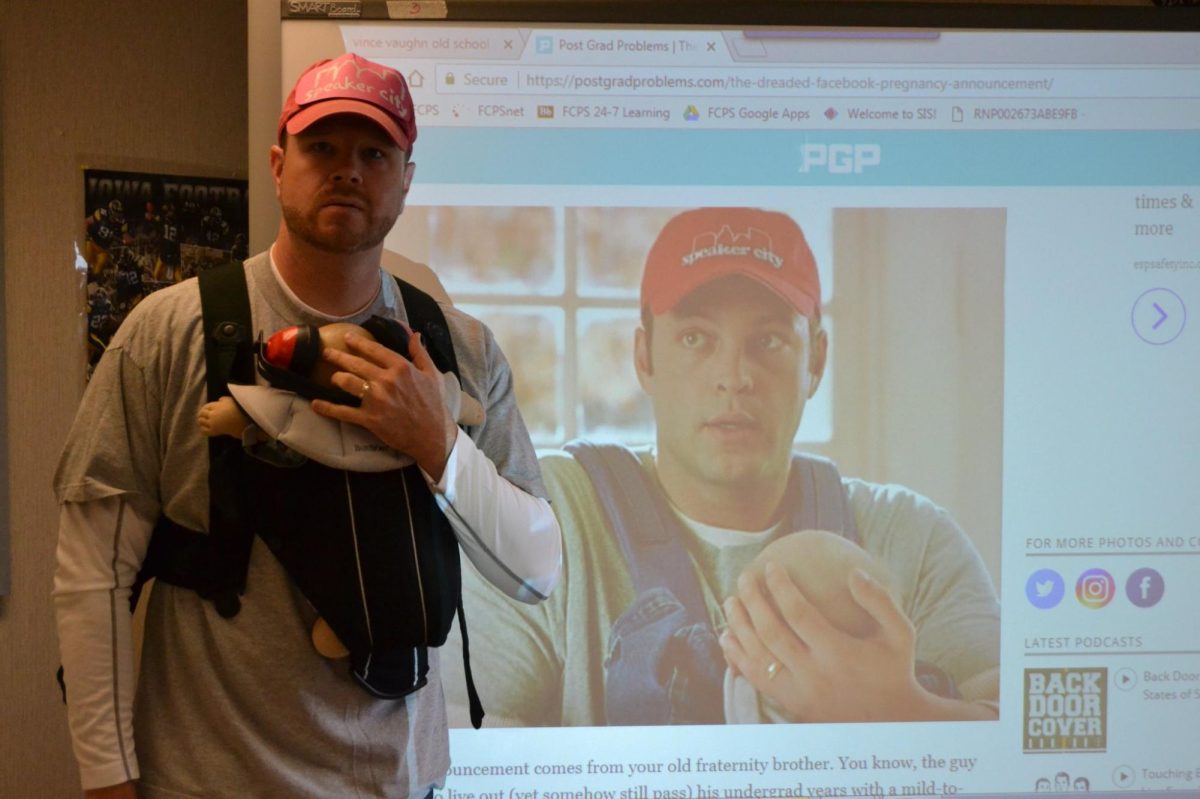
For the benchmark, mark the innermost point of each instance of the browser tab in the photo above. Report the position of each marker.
(389, 42)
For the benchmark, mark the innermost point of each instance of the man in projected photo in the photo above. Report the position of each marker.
(659, 621)
(272, 688)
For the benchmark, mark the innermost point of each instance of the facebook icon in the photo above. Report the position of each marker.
(1144, 587)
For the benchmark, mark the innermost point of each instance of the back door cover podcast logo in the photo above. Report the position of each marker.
(1066, 710)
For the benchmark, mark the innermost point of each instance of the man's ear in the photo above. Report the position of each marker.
(641, 358)
(818, 352)
(410, 169)
(277, 155)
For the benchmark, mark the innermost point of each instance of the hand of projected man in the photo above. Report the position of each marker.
(814, 672)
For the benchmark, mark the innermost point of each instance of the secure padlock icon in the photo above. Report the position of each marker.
(449, 78)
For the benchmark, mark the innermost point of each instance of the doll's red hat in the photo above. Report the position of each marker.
(294, 348)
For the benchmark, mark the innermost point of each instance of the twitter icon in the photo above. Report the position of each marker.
(1045, 588)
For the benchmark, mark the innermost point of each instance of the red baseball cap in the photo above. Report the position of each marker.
(697, 247)
(350, 84)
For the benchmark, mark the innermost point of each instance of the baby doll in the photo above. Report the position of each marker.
(819, 563)
(278, 423)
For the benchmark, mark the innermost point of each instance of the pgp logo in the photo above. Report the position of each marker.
(839, 159)
(1095, 588)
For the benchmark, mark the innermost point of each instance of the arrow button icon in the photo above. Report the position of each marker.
(1123, 776)
(1125, 679)
(1158, 316)
(1162, 317)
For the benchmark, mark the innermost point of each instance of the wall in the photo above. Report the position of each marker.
(158, 85)
(920, 382)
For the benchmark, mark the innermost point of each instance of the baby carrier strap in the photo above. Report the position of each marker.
(425, 317)
(228, 338)
(214, 565)
(818, 499)
(643, 522)
(663, 662)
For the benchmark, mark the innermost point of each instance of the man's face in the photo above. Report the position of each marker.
(728, 373)
(1062, 781)
(341, 183)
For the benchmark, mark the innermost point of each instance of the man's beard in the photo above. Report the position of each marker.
(341, 240)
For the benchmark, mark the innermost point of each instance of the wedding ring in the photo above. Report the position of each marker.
(772, 669)
(366, 387)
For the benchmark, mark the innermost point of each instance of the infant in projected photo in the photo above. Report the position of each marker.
(819, 563)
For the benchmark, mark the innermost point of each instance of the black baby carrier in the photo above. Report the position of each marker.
(371, 551)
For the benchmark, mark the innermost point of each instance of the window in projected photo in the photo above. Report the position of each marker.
(559, 288)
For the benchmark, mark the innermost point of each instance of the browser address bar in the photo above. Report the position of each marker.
(790, 81)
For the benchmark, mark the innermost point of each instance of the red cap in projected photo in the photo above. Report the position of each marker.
(697, 247)
(350, 84)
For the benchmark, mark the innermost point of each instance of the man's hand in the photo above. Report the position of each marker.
(821, 674)
(402, 401)
(126, 790)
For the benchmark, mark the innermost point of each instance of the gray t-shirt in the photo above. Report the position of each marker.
(245, 706)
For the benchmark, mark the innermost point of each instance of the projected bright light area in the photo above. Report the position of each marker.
(961, 267)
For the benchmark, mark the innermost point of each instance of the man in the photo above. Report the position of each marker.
(232, 699)
(730, 349)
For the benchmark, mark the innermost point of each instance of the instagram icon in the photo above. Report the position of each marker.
(1095, 588)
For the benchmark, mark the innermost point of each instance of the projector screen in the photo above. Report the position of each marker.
(1003, 221)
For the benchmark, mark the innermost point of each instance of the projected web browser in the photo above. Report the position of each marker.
(1003, 226)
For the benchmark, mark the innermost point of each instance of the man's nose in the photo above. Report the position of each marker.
(348, 170)
(734, 371)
